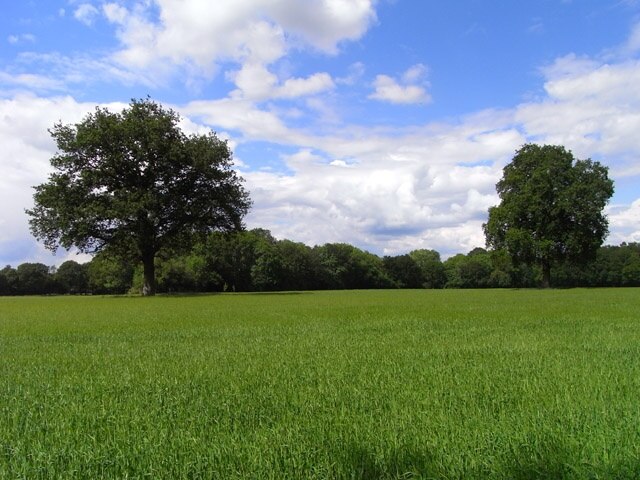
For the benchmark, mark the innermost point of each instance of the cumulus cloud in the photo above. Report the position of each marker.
(591, 106)
(299, 87)
(188, 41)
(255, 82)
(260, 31)
(386, 210)
(24, 162)
(380, 191)
(624, 223)
(385, 188)
(323, 24)
(380, 194)
(245, 118)
(431, 186)
(410, 89)
(86, 13)
(388, 190)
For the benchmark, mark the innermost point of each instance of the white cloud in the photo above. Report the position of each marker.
(592, 107)
(389, 189)
(24, 122)
(415, 74)
(115, 13)
(568, 66)
(626, 216)
(22, 38)
(163, 41)
(387, 89)
(31, 82)
(627, 49)
(393, 190)
(86, 13)
(190, 32)
(255, 82)
(355, 73)
(325, 23)
(380, 194)
(299, 87)
(387, 210)
(624, 222)
(410, 90)
(24, 162)
(448, 241)
(632, 44)
(604, 82)
(65, 73)
(431, 186)
(138, 36)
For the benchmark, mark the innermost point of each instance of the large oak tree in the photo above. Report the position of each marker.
(551, 208)
(134, 183)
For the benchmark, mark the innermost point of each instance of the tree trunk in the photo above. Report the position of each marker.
(546, 275)
(149, 281)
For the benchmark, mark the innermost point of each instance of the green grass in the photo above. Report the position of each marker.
(364, 384)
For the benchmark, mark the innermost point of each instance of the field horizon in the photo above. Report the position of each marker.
(328, 384)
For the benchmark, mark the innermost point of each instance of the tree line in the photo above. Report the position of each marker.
(254, 261)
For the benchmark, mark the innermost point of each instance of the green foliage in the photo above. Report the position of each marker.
(134, 182)
(612, 267)
(497, 384)
(631, 271)
(348, 267)
(4, 283)
(300, 266)
(469, 271)
(8, 281)
(72, 277)
(404, 271)
(34, 279)
(255, 261)
(609, 268)
(268, 269)
(109, 274)
(232, 257)
(453, 272)
(551, 208)
(175, 275)
(475, 271)
(431, 268)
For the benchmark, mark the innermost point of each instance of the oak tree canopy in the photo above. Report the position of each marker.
(551, 208)
(134, 183)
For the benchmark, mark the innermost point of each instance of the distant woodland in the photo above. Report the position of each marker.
(254, 261)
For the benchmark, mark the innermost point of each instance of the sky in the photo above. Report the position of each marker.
(381, 123)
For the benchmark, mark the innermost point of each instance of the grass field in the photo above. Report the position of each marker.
(361, 384)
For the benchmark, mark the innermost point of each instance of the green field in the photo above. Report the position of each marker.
(360, 384)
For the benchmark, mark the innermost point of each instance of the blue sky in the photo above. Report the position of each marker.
(384, 124)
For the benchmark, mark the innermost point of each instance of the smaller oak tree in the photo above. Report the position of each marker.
(133, 183)
(551, 208)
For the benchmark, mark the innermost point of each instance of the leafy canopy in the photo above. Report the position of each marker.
(551, 207)
(135, 183)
